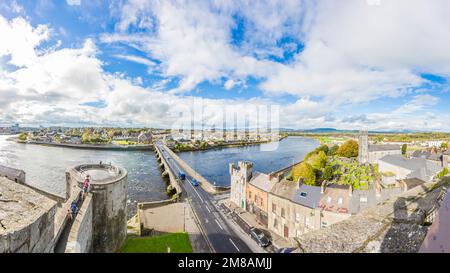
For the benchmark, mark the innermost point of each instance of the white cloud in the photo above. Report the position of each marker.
(135, 59)
(73, 2)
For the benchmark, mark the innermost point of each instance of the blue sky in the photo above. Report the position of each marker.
(133, 62)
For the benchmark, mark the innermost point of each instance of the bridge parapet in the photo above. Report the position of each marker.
(206, 185)
(168, 171)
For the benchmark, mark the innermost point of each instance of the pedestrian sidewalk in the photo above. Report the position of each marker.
(278, 241)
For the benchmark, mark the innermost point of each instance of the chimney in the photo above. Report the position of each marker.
(350, 190)
(231, 168)
(378, 189)
(322, 187)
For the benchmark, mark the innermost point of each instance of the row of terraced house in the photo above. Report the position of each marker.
(292, 208)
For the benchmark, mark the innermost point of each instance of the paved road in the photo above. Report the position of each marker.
(222, 238)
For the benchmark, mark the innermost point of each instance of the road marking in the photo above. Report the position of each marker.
(208, 208)
(234, 244)
(219, 224)
(195, 191)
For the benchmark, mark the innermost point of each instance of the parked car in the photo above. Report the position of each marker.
(194, 182)
(259, 237)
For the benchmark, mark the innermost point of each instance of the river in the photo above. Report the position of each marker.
(45, 166)
(213, 164)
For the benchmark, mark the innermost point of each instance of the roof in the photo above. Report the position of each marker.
(421, 168)
(413, 182)
(362, 199)
(383, 147)
(24, 205)
(261, 181)
(301, 194)
(285, 189)
(403, 162)
(308, 196)
(336, 198)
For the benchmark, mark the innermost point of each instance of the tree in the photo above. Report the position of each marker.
(323, 148)
(327, 173)
(332, 151)
(404, 147)
(23, 136)
(306, 171)
(348, 149)
(318, 161)
(444, 145)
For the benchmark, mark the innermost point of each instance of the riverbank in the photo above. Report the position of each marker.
(90, 146)
(222, 146)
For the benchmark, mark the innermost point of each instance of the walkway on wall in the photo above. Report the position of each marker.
(61, 245)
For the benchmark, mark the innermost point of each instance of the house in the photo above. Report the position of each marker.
(371, 153)
(430, 155)
(403, 168)
(257, 195)
(144, 137)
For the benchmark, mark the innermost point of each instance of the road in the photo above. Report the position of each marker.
(220, 235)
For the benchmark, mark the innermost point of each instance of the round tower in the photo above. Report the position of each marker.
(109, 188)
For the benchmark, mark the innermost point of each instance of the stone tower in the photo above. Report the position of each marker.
(109, 189)
(240, 176)
(363, 146)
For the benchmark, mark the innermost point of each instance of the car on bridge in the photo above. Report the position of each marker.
(194, 182)
(259, 237)
(181, 175)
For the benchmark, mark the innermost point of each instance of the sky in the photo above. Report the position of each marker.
(349, 64)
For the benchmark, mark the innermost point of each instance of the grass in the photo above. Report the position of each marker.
(178, 243)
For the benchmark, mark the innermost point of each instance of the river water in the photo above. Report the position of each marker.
(45, 166)
(213, 164)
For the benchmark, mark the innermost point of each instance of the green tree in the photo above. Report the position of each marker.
(86, 136)
(318, 161)
(332, 151)
(327, 173)
(348, 149)
(444, 145)
(306, 171)
(404, 147)
(23, 136)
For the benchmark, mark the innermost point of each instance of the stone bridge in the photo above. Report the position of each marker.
(204, 183)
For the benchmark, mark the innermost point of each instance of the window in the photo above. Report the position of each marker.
(282, 212)
(303, 194)
(250, 195)
(262, 202)
(274, 208)
(324, 224)
(340, 201)
(363, 199)
(297, 217)
(329, 199)
(256, 199)
(275, 223)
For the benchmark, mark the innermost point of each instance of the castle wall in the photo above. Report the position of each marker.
(80, 237)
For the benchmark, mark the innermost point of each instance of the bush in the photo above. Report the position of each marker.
(442, 173)
(332, 151)
(306, 171)
(404, 147)
(348, 149)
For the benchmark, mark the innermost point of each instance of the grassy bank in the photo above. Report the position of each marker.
(178, 243)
